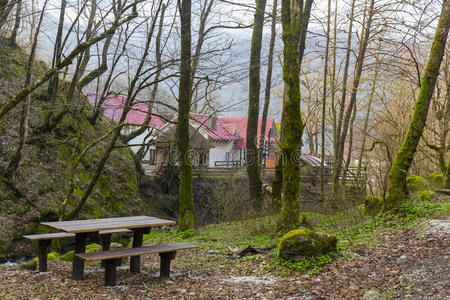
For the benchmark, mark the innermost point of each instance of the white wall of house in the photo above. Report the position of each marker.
(138, 141)
(219, 153)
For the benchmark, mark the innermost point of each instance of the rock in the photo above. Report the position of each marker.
(89, 248)
(403, 257)
(372, 295)
(116, 246)
(28, 265)
(304, 242)
(434, 227)
(53, 256)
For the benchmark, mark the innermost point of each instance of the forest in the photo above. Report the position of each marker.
(301, 146)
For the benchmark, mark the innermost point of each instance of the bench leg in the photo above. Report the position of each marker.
(135, 261)
(166, 257)
(110, 272)
(43, 245)
(78, 263)
(106, 245)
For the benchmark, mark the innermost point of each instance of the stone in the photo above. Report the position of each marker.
(300, 243)
(434, 227)
(372, 295)
(30, 265)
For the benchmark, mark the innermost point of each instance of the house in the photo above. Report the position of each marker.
(214, 141)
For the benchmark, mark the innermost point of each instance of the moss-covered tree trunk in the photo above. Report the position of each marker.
(253, 162)
(186, 217)
(402, 162)
(277, 183)
(291, 19)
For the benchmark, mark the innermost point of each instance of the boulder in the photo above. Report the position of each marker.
(300, 243)
(434, 227)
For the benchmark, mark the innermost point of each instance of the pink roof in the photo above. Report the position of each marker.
(220, 132)
(241, 126)
(113, 108)
(225, 127)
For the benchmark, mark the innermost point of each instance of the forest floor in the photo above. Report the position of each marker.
(385, 254)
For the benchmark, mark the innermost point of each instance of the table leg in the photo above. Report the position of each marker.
(78, 263)
(106, 245)
(43, 245)
(135, 261)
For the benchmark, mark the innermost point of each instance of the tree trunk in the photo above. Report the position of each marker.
(291, 19)
(25, 113)
(402, 162)
(277, 183)
(324, 104)
(366, 119)
(57, 52)
(268, 80)
(13, 37)
(253, 162)
(356, 80)
(186, 217)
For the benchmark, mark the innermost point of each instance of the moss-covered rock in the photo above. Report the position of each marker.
(426, 195)
(301, 243)
(416, 184)
(436, 180)
(29, 265)
(373, 205)
(89, 248)
(53, 256)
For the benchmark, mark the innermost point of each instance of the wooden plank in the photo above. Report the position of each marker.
(103, 232)
(49, 236)
(60, 235)
(93, 221)
(108, 224)
(119, 253)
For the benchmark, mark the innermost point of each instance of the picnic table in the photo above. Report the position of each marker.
(84, 229)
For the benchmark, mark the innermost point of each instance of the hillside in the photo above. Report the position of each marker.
(36, 191)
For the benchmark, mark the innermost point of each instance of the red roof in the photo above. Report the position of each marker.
(225, 128)
(241, 126)
(113, 108)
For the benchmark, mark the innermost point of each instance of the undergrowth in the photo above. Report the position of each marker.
(353, 228)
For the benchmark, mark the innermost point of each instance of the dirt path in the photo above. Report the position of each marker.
(404, 265)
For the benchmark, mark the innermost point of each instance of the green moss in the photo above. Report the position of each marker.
(436, 179)
(53, 256)
(416, 184)
(301, 243)
(29, 265)
(426, 195)
(89, 248)
(373, 205)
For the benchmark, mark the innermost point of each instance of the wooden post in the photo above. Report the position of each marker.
(106, 245)
(110, 272)
(78, 263)
(166, 257)
(43, 245)
(135, 261)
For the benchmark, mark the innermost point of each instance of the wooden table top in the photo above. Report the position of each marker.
(92, 225)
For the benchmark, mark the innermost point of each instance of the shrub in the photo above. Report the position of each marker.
(416, 184)
(436, 179)
(426, 195)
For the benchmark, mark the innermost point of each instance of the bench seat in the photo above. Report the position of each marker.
(45, 238)
(111, 257)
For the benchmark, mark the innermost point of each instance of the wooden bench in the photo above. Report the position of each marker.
(112, 257)
(44, 242)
